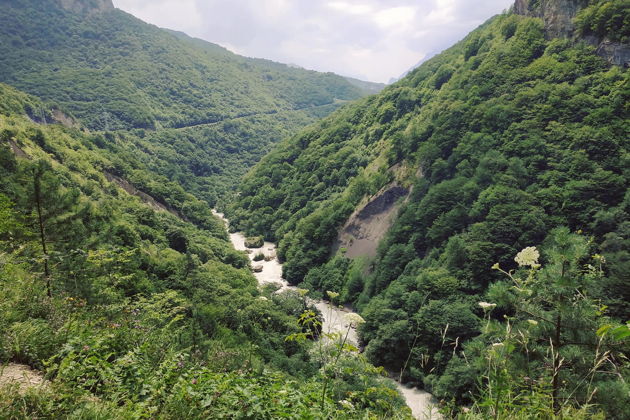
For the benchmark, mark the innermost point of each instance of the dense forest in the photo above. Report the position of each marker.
(506, 269)
(133, 311)
(497, 173)
(187, 106)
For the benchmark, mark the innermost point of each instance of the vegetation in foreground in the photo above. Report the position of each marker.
(137, 313)
(504, 140)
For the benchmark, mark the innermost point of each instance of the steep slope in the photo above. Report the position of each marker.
(133, 312)
(505, 137)
(109, 68)
(192, 110)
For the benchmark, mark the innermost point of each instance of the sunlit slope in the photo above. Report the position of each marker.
(498, 140)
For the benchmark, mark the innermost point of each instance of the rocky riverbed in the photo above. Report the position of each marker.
(423, 405)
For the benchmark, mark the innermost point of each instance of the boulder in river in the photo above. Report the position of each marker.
(258, 268)
(254, 242)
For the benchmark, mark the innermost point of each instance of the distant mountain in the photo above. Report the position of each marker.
(111, 69)
(371, 87)
(427, 57)
(204, 114)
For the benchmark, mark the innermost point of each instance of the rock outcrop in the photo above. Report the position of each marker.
(558, 17)
(614, 52)
(86, 7)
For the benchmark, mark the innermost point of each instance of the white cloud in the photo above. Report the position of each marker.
(395, 17)
(354, 9)
(181, 15)
(370, 39)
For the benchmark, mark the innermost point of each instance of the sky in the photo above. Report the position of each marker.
(373, 40)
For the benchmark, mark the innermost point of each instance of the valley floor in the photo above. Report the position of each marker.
(423, 405)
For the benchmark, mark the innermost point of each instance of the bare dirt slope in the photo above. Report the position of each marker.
(21, 375)
(369, 223)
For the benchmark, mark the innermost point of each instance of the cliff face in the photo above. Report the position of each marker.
(88, 7)
(558, 17)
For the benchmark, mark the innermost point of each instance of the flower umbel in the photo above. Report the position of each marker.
(487, 306)
(354, 319)
(528, 257)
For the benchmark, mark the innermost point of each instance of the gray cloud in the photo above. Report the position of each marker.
(369, 39)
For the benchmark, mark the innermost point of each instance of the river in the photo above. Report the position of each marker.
(423, 405)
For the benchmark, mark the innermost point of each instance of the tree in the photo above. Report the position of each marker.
(550, 341)
(54, 214)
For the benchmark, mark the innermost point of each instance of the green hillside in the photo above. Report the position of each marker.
(111, 69)
(508, 140)
(131, 310)
(115, 73)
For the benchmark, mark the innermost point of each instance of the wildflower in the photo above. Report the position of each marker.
(354, 319)
(532, 322)
(262, 298)
(86, 348)
(487, 306)
(332, 295)
(528, 257)
(497, 345)
(302, 292)
(495, 266)
(346, 404)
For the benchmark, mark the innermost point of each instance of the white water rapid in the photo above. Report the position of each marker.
(423, 405)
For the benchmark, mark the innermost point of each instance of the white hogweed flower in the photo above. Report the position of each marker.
(528, 257)
(354, 319)
(332, 295)
(346, 404)
(486, 306)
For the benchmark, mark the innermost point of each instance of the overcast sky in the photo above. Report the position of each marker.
(369, 39)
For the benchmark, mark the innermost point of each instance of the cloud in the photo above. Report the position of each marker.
(369, 39)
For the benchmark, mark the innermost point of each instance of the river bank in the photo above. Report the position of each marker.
(423, 404)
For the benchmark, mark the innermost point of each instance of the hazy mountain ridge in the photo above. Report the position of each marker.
(141, 76)
(115, 73)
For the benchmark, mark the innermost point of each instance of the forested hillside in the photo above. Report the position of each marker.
(131, 310)
(196, 111)
(112, 71)
(514, 139)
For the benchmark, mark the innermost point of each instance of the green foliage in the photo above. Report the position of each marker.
(254, 242)
(193, 112)
(606, 19)
(135, 311)
(548, 357)
(192, 82)
(504, 137)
